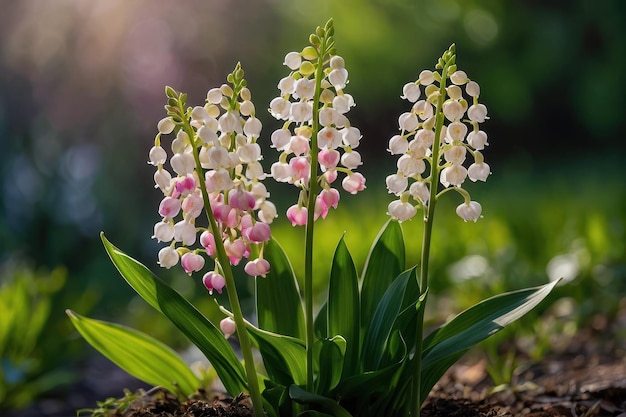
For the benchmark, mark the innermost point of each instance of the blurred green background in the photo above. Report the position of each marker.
(82, 87)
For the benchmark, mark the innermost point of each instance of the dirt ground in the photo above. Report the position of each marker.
(585, 378)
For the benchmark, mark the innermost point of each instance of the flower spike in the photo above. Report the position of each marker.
(222, 135)
(316, 141)
(434, 134)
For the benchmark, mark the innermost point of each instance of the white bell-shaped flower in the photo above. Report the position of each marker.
(168, 257)
(411, 92)
(158, 156)
(478, 172)
(408, 121)
(401, 211)
(470, 211)
(477, 139)
(396, 183)
(398, 145)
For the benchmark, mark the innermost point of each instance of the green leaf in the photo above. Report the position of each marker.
(343, 305)
(313, 413)
(384, 263)
(330, 363)
(361, 392)
(304, 397)
(278, 303)
(284, 357)
(473, 326)
(276, 400)
(383, 321)
(320, 324)
(200, 331)
(140, 355)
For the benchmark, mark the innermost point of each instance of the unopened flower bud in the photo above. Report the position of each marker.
(459, 77)
(214, 96)
(473, 89)
(293, 60)
(166, 125)
(337, 62)
(227, 326)
(426, 77)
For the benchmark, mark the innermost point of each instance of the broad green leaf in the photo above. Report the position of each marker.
(284, 357)
(276, 400)
(383, 321)
(361, 392)
(343, 305)
(140, 355)
(434, 372)
(473, 326)
(313, 413)
(384, 263)
(325, 403)
(320, 324)
(369, 382)
(278, 303)
(200, 331)
(330, 363)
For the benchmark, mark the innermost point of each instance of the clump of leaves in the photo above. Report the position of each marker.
(112, 405)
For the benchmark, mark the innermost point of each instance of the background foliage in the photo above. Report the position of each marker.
(81, 89)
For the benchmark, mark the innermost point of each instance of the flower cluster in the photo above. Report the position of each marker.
(314, 106)
(216, 163)
(432, 151)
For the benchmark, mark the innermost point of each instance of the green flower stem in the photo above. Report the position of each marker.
(310, 222)
(231, 288)
(429, 218)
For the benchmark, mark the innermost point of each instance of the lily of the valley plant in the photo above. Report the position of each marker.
(365, 353)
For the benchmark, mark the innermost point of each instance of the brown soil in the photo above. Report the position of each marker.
(586, 376)
(584, 380)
